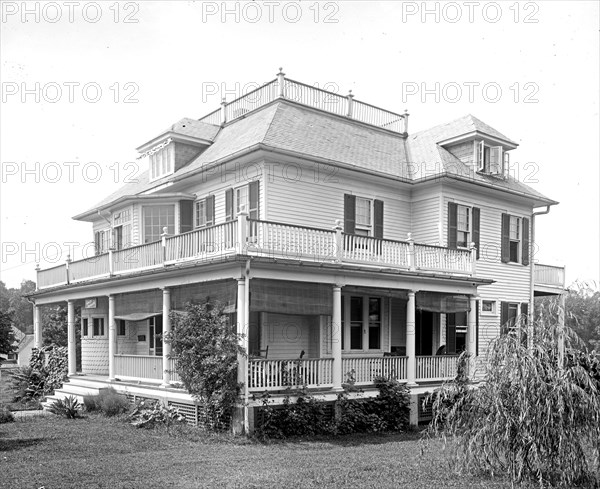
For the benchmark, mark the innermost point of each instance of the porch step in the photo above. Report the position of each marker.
(89, 388)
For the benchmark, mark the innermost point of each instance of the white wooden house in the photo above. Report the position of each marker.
(328, 231)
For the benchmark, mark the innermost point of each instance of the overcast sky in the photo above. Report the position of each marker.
(85, 83)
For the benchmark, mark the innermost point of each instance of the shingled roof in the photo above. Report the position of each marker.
(289, 127)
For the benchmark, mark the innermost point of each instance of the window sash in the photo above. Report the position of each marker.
(364, 212)
(98, 328)
(201, 217)
(155, 219)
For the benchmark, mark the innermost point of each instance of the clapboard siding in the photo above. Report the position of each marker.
(426, 220)
(307, 202)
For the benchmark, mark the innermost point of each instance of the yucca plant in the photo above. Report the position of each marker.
(535, 417)
(69, 407)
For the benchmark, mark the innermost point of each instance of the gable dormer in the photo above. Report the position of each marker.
(481, 147)
(176, 147)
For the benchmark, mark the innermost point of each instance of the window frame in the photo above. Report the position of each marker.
(161, 162)
(361, 229)
(348, 322)
(122, 327)
(483, 159)
(469, 230)
(492, 311)
(103, 332)
(85, 331)
(518, 241)
(155, 206)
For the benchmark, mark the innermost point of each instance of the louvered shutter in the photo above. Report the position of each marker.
(349, 213)
(481, 157)
(475, 235)
(525, 242)
(476, 328)
(451, 334)
(210, 210)
(378, 218)
(505, 245)
(253, 211)
(503, 317)
(229, 204)
(186, 216)
(452, 225)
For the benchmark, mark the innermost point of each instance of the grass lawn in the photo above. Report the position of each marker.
(103, 452)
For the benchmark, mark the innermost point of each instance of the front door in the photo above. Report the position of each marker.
(155, 341)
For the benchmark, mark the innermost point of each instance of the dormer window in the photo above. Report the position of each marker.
(162, 160)
(491, 159)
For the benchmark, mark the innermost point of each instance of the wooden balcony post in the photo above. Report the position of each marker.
(242, 224)
(338, 245)
(473, 250)
(68, 260)
(406, 121)
(37, 276)
(112, 335)
(350, 97)
(223, 111)
(471, 334)
(72, 347)
(163, 238)
(166, 320)
(336, 337)
(410, 338)
(281, 82)
(411, 253)
(240, 421)
(37, 326)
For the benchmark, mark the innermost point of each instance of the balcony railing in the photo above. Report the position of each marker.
(285, 88)
(265, 239)
(549, 275)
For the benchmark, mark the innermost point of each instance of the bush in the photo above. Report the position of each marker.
(6, 416)
(68, 407)
(27, 384)
(109, 402)
(534, 417)
(148, 414)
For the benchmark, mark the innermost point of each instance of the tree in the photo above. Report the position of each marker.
(205, 346)
(55, 321)
(7, 337)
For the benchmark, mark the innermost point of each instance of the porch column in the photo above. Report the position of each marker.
(410, 339)
(166, 329)
(112, 334)
(472, 335)
(336, 337)
(37, 326)
(72, 348)
(241, 326)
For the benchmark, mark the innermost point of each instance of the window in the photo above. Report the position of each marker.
(463, 226)
(515, 239)
(205, 212)
(488, 307)
(508, 317)
(154, 332)
(246, 195)
(84, 327)
(122, 229)
(362, 323)
(102, 241)
(161, 161)
(491, 159)
(98, 327)
(157, 217)
(122, 328)
(363, 216)
(456, 332)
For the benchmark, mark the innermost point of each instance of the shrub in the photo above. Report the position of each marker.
(108, 401)
(534, 417)
(68, 407)
(206, 347)
(27, 384)
(148, 414)
(6, 416)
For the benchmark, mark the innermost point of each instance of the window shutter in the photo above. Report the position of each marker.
(349, 213)
(253, 199)
(525, 242)
(477, 328)
(97, 242)
(475, 235)
(524, 311)
(210, 210)
(481, 157)
(378, 218)
(452, 224)
(506, 164)
(495, 159)
(505, 251)
(451, 334)
(503, 317)
(127, 236)
(186, 216)
(229, 204)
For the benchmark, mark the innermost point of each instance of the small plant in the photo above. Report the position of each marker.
(148, 414)
(68, 407)
(108, 401)
(6, 416)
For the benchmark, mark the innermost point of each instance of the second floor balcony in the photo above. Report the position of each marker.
(255, 238)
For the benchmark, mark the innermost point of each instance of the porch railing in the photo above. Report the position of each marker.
(384, 252)
(549, 275)
(203, 243)
(436, 367)
(364, 370)
(279, 374)
(138, 257)
(139, 367)
(429, 257)
(52, 277)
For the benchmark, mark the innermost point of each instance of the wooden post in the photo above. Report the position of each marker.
(472, 335)
(72, 346)
(223, 111)
(336, 337)
(350, 97)
(111, 338)
(411, 252)
(68, 260)
(163, 238)
(281, 82)
(242, 223)
(338, 244)
(37, 276)
(410, 339)
(406, 122)
(166, 311)
(473, 250)
(37, 326)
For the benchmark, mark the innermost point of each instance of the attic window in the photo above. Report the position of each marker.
(491, 159)
(162, 161)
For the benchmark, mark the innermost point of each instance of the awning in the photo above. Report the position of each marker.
(284, 297)
(440, 302)
(137, 316)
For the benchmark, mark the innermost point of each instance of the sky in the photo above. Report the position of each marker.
(85, 83)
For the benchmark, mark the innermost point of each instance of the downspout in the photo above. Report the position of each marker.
(531, 274)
